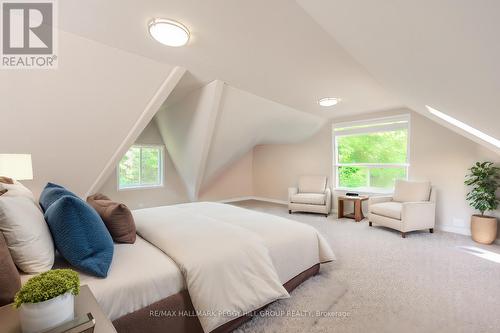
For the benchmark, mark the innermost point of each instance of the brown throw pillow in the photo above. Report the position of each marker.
(3, 191)
(99, 196)
(10, 281)
(6, 180)
(116, 216)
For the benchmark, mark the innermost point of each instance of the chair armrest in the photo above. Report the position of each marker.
(328, 199)
(292, 191)
(379, 199)
(418, 215)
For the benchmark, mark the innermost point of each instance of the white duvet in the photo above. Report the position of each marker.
(228, 255)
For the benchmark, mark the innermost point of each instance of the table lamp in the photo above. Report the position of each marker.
(16, 166)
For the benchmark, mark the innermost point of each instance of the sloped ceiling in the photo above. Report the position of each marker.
(187, 129)
(245, 120)
(442, 53)
(217, 124)
(74, 118)
(269, 48)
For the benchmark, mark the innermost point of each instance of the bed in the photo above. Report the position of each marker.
(150, 283)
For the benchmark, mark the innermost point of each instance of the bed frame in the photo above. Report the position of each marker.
(157, 317)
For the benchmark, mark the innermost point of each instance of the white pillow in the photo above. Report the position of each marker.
(17, 190)
(26, 233)
(406, 191)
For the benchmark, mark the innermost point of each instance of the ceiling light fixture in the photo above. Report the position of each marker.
(465, 127)
(169, 32)
(328, 101)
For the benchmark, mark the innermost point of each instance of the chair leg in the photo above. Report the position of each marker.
(403, 235)
(370, 223)
(289, 211)
(431, 230)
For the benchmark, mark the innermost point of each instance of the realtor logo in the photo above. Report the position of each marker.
(28, 34)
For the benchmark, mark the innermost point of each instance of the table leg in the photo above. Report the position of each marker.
(358, 211)
(340, 209)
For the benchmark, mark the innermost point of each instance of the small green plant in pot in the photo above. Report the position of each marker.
(47, 300)
(484, 179)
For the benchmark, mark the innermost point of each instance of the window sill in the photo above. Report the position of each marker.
(141, 187)
(364, 190)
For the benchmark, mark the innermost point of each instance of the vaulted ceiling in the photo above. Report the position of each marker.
(216, 125)
(442, 53)
(272, 49)
(74, 119)
(375, 55)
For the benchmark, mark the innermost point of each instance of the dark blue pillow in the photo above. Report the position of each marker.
(80, 235)
(51, 193)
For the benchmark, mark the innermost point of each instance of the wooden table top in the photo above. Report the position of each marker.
(360, 197)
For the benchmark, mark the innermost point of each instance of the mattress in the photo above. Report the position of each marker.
(139, 275)
(293, 246)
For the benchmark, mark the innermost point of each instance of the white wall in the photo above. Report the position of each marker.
(172, 192)
(215, 126)
(277, 167)
(72, 119)
(443, 157)
(235, 182)
(187, 129)
(439, 53)
(436, 154)
(245, 120)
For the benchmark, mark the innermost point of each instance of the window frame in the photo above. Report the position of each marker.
(367, 126)
(160, 171)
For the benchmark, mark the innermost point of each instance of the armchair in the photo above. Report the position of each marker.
(312, 195)
(412, 207)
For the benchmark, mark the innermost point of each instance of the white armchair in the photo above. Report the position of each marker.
(412, 207)
(312, 195)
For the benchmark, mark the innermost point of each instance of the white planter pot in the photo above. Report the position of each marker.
(39, 317)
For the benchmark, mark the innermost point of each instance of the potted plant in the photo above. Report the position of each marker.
(47, 300)
(484, 178)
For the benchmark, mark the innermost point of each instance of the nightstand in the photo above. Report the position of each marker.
(85, 302)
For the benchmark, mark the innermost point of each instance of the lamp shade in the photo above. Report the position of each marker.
(16, 166)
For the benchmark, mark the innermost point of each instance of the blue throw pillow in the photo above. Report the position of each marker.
(80, 235)
(51, 193)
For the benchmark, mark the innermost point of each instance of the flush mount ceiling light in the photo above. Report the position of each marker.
(465, 127)
(169, 32)
(328, 101)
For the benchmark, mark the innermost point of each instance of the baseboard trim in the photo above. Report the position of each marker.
(446, 228)
(460, 231)
(276, 201)
(455, 230)
(236, 199)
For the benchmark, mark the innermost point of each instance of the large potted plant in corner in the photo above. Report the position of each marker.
(484, 179)
(47, 300)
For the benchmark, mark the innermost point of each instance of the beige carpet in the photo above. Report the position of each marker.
(439, 282)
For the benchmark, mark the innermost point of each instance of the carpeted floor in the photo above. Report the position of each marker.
(439, 282)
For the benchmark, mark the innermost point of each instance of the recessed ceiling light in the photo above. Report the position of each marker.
(169, 32)
(465, 127)
(328, 101)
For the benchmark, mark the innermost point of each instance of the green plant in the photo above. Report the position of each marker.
(47, 286)
(485, 179)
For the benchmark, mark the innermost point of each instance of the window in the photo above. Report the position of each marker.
(141, 167)
(371, 155)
